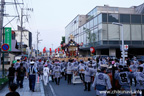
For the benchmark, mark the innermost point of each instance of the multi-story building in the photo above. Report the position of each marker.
(96, 29)
(26, 40)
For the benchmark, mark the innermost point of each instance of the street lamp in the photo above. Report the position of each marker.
(122, 36)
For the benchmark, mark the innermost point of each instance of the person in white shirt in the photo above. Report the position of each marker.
(46, 74)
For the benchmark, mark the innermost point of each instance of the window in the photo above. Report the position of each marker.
(137, 42)
(99, 18)
(87, 25)
(143, 19)
(124, 18)
(113, 18)
(91, 23)
(113, 32)
(104, 17)
(126, 29)
(104, 32)
(143, 31)
(136, 32)
(95, 21)
(135, 18)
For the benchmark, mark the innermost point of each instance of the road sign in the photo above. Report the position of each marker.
(8, 37)
(5, 47)
(125, 47)
(124, 55)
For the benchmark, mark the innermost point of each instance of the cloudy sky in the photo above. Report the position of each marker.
(51, 16)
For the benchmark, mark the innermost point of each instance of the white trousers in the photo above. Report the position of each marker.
(45, 79)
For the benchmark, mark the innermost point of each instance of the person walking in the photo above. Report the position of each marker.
(11, 74)
(57, 74)
(12, 89)
(87, 81)
(32, 76)
(101, 82)
(81, 69)
(46, 74)
(20, 72)
(69, 71)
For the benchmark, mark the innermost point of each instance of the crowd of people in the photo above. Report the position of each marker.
(108, 77)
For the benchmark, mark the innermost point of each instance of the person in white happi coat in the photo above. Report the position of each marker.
(46, 74)
(102, 82)
(40, 70)
(57, 73)
(88, 73)
(81, 69)
(133, 67)
(139, 77)
(69, 71)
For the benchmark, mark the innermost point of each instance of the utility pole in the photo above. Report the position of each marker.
(1, 24)
(38, 41)
(21, 25)
(21, 29)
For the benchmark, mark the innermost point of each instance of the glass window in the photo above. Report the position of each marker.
(143, 19)
(113, 18)
(113, 42)
(99, 18)
(95, 21)
(124, 18)
(87, 25)
(84, 38)
(126, 29)
(104, 17)
(137, 42)
(143, 31)
(91, 23)
(113, 32)
(104, 32)
(135, 18)
(136, 32)
(96, 35)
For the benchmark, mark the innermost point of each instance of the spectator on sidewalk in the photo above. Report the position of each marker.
(12, 89)
(11, 74)
(21, 72)
(32, 76)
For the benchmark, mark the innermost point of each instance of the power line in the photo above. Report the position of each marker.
(10, 23)
(17, 9)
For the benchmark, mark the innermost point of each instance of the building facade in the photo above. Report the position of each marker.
(96, 30)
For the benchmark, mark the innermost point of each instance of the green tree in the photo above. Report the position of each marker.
(62, 42)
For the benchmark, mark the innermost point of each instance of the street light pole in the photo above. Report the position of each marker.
(21, 30)
(1, 24)
(122, 37)
(123, 44)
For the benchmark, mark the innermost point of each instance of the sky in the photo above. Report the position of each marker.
(51, 16)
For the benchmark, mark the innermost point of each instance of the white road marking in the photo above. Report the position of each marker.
(52, 89)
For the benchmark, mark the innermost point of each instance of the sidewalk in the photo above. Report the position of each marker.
(24, 91)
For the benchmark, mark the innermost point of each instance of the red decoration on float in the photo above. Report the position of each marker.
(92, 49)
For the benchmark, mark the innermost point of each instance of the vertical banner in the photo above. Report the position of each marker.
(50, 51)
(8, 37)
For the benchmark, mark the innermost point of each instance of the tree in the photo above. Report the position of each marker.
(62, 42)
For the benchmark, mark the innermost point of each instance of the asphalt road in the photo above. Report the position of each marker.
(67, 90)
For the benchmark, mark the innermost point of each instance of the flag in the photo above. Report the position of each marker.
(50, 51)
(44, 50)
(55, 50)
(58, 50)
